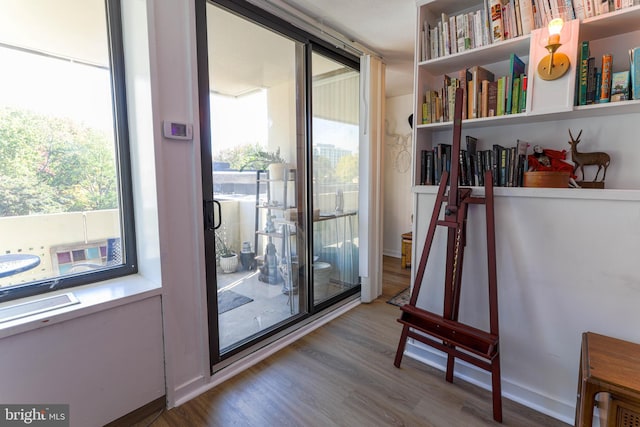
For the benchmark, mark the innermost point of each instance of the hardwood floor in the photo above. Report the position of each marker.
(343, 375)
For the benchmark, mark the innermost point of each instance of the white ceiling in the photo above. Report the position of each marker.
(386, 27)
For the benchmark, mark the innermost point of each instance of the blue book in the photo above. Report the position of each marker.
(516, 68)
(634, 56)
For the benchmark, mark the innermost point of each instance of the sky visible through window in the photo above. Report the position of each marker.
(245, 120)
(56, 88)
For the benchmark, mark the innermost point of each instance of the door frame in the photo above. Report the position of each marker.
(274, 23)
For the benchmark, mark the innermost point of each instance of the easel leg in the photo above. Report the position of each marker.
(401, 345)
(496, 388)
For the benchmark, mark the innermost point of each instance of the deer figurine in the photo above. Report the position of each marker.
(581, 160)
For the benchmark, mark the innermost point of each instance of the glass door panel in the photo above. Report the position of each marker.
(335, 141)
(257, 179)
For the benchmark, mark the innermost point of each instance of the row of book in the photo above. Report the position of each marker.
(484, 95)
(507, 164)
(602, 85)
(498, 20)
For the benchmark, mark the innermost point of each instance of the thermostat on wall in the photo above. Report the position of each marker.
(175, 130)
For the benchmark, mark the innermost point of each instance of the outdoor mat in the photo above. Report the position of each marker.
(228, 300)
(401, 299)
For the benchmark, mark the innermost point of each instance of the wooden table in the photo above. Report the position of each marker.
(612, 366)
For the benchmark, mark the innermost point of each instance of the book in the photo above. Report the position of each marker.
(620, 86)
(426, 170)
(446, 39)
(423, 167)
(504, 171)
(492, 99)
(515, 96)
(478, 74)
(464, 77)
(501, 96)
(591, 81)
(484, 99)
(446, 83)
(634, 58)
(523, 93)
(522, 164)
(495, 15)
(605, 79)
(516, 68)
(471, 160)
(583, 71)
(526, 16)
(496, 166)
(518, 17)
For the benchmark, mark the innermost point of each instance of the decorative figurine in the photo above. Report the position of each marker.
(269, 271)
(581, 160)
(270, 226)
(546, 160)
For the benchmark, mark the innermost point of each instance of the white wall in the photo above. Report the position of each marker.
(565, 266)
(398, 201)
(103, 366)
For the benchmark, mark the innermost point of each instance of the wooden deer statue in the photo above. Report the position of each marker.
(581, 160)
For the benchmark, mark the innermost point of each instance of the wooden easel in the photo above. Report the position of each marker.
(444, 331)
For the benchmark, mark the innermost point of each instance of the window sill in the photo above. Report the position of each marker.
(92, 298)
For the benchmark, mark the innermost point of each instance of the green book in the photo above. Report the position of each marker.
(501, 96)
(523, 93)
(583, 73)
(515, 95)
(516, 67)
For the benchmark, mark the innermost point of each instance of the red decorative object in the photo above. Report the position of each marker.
(544, 159)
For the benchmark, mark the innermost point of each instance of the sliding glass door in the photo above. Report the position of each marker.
(257, 179)
(280, 206)
(335, 149)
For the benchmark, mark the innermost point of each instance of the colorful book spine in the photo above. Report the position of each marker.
(583, 73)
(515, 97)
(591, 81)
(523, 93)
(516, 68)
(634, 56)
(496, 20)
(605, 82)
(500, 96)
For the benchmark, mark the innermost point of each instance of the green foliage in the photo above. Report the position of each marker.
(347, 169)
(50, 165)
(250, 157)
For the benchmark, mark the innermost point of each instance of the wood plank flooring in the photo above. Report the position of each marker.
(343, 375)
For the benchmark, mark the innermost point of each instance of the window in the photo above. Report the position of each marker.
(66, 215)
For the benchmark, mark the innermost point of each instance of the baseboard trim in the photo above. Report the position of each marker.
(140, 414)
(197, 387)
(535, 400)
(392, 253)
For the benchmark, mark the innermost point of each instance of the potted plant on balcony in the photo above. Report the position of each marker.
(227, 258)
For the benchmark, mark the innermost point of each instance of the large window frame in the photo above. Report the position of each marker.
(123, 173)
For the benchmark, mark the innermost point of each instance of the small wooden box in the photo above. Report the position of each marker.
(548, 179)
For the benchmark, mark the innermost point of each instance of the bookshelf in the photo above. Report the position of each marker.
(548, 103)
(559, 251)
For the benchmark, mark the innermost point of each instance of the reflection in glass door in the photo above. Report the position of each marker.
(335, 141)
(257, 179)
